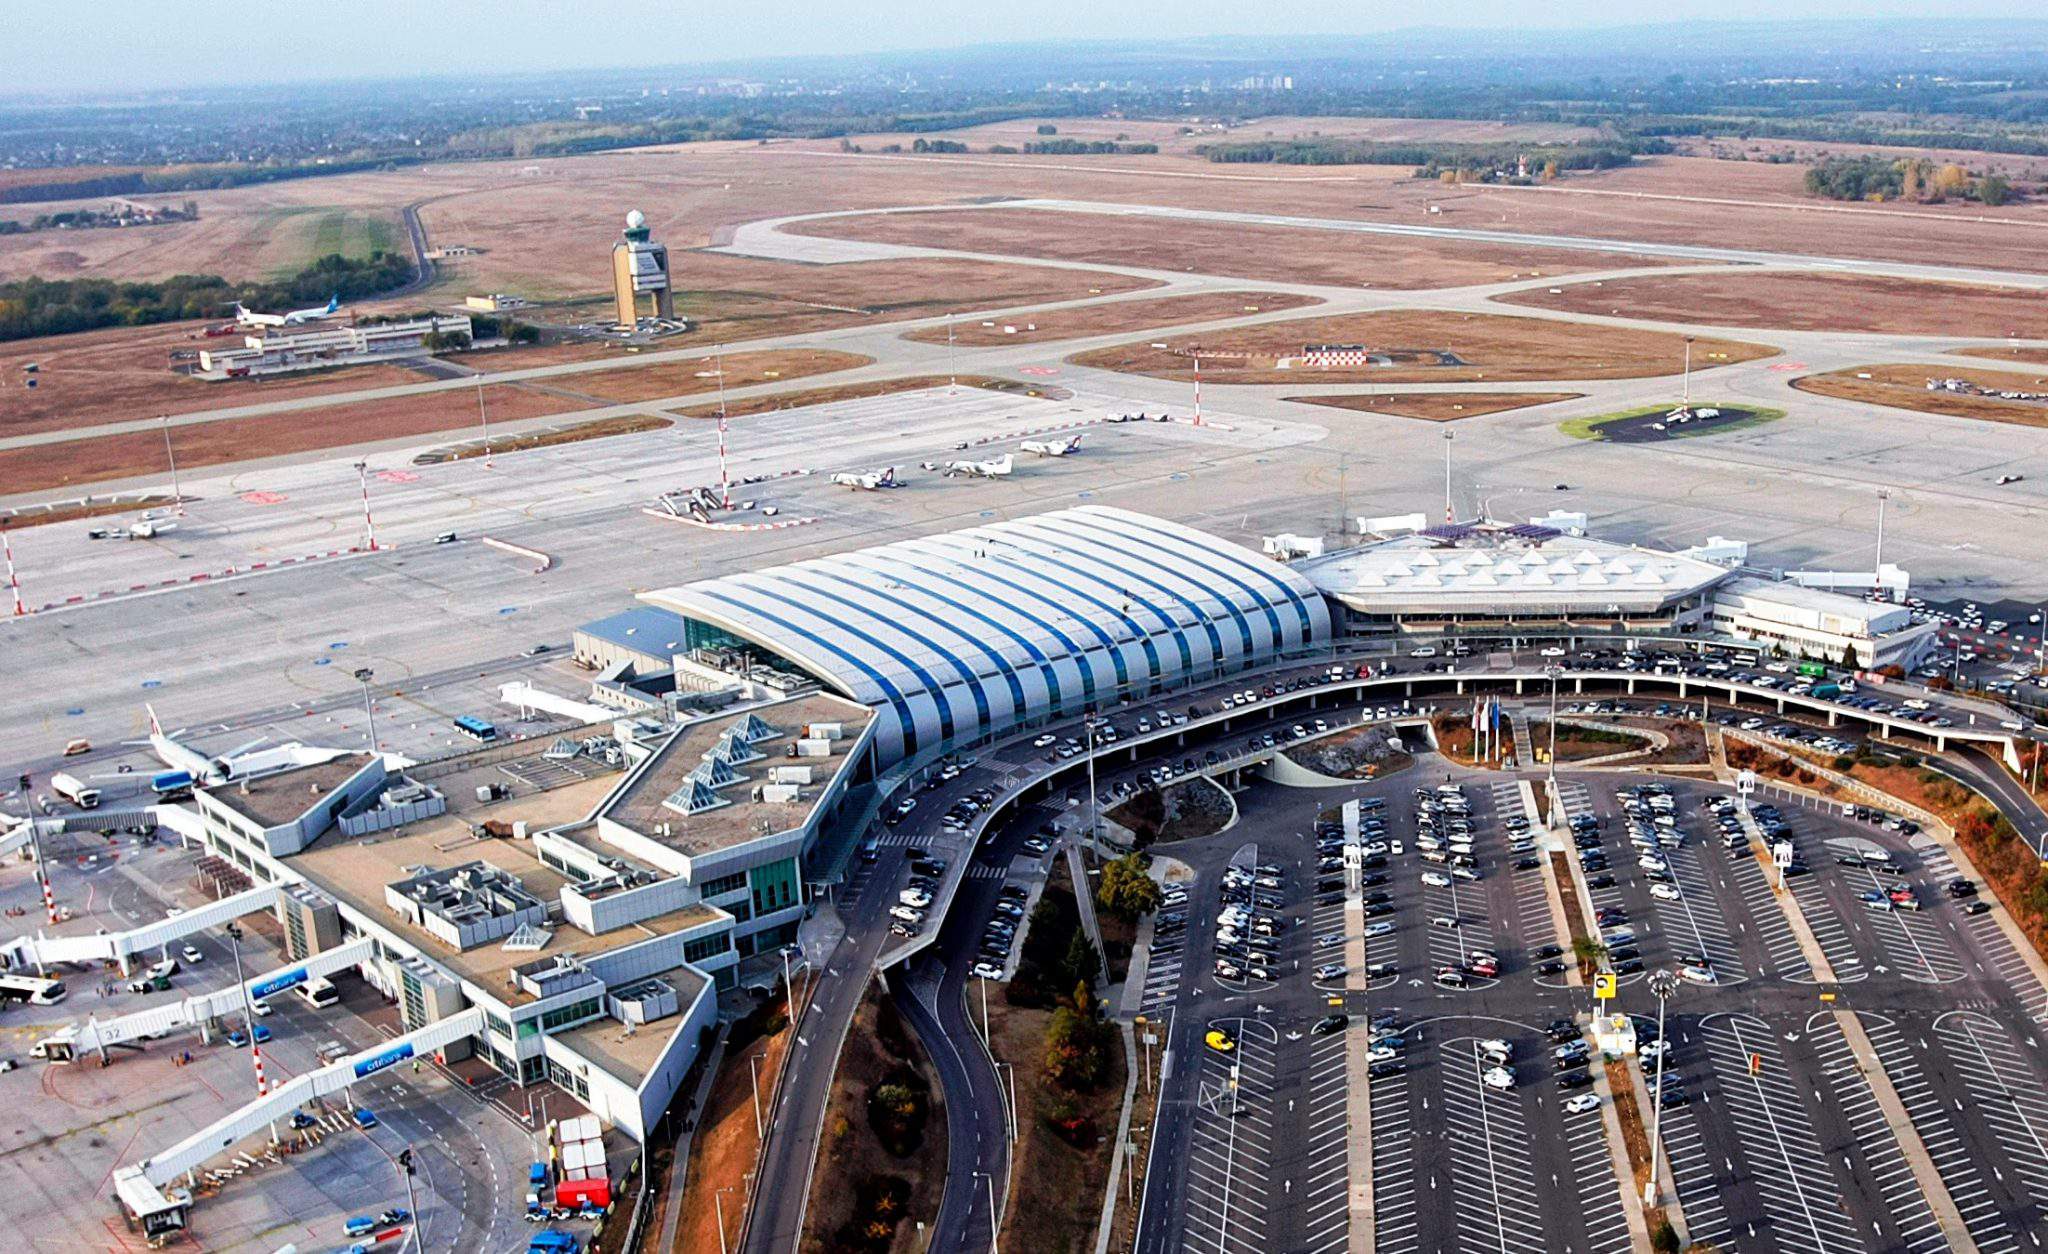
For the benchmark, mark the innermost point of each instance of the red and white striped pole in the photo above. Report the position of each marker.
(49, 898)
(369, 528)
(13, 583)
(256, 1053)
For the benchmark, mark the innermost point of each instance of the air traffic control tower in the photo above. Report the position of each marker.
(640, 266)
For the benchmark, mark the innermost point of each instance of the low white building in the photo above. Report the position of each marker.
(1811, 622)
(283, 350)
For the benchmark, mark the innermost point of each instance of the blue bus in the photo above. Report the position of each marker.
(476, 728)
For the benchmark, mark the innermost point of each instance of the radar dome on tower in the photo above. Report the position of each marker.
(635, 219)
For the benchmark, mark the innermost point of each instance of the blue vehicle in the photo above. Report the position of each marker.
(360, 1225)
(551, 1241)
(365, 1118)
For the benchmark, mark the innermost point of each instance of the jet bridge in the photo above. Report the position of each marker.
(140, 1186)
(200, 1010)
(122, 947)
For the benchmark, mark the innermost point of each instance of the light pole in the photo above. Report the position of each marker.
(363, 676)
(1662, 985)
(1555, 672)
(718, 1202)
(1088, 724)
(177, 497)
(411, 1204)
(1685, 388)
(1447, 476)
(990, 1177)
(724, 479)
(952, 370)
(483, 420)
(1010, 1105)
(234, 932)
(760, 1131)
(1877, 563)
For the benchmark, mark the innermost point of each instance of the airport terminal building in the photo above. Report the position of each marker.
(589, 897)
(967, 634)
(1490, 578)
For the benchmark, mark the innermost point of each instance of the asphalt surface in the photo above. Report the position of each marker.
(1791, 1156)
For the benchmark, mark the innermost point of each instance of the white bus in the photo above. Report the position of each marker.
(319, 992)
(28, 988)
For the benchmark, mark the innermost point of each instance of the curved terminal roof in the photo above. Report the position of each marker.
(1489, 569)
(967, 632)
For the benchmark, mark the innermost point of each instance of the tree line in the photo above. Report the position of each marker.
(1432, 160)
(1916, 179)
(33, 306)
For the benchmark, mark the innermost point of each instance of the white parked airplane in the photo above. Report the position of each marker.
(246, 762)
(250, 318)
(871, 481)
(982, 470)
(1053, 448)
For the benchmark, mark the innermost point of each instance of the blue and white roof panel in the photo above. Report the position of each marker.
(973, 631)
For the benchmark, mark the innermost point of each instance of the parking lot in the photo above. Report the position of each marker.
(1774, 1135)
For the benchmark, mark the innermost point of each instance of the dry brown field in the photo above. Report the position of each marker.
(38, 466)
(1808, 302)
(123, 373)
(1436, 406)
(700, 375)
(2003, 352)
(1279, 254)
(1905, 387)
(1110, 318)
(1497, 348)
(547, 232)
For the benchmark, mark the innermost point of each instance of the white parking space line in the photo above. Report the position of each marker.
(1324, 1193)
(1885, 1169)
(1694, 1177)
(1493, 1195)
(1396, 1227)
(1952, 1157)
(1230, 1144)
(2008, 1099)
(1767, 1112)
(1785, 959)
(1910, 940)
(1828, 927)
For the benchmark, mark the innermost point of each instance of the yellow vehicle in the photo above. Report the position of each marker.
(1220, 1041)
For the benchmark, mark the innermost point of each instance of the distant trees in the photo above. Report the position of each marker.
(937, 145)
(1463, 163)
(1047, 128)
(1085, 147)
(1917, 179)
(33, 306)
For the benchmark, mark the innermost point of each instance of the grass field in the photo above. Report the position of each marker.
(1436, 406)
(1591, 428)
(1486, 347)
(1807, 302)
(1905, 387)
(302, 236)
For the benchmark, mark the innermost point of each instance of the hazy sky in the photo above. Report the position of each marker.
(110, 45)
